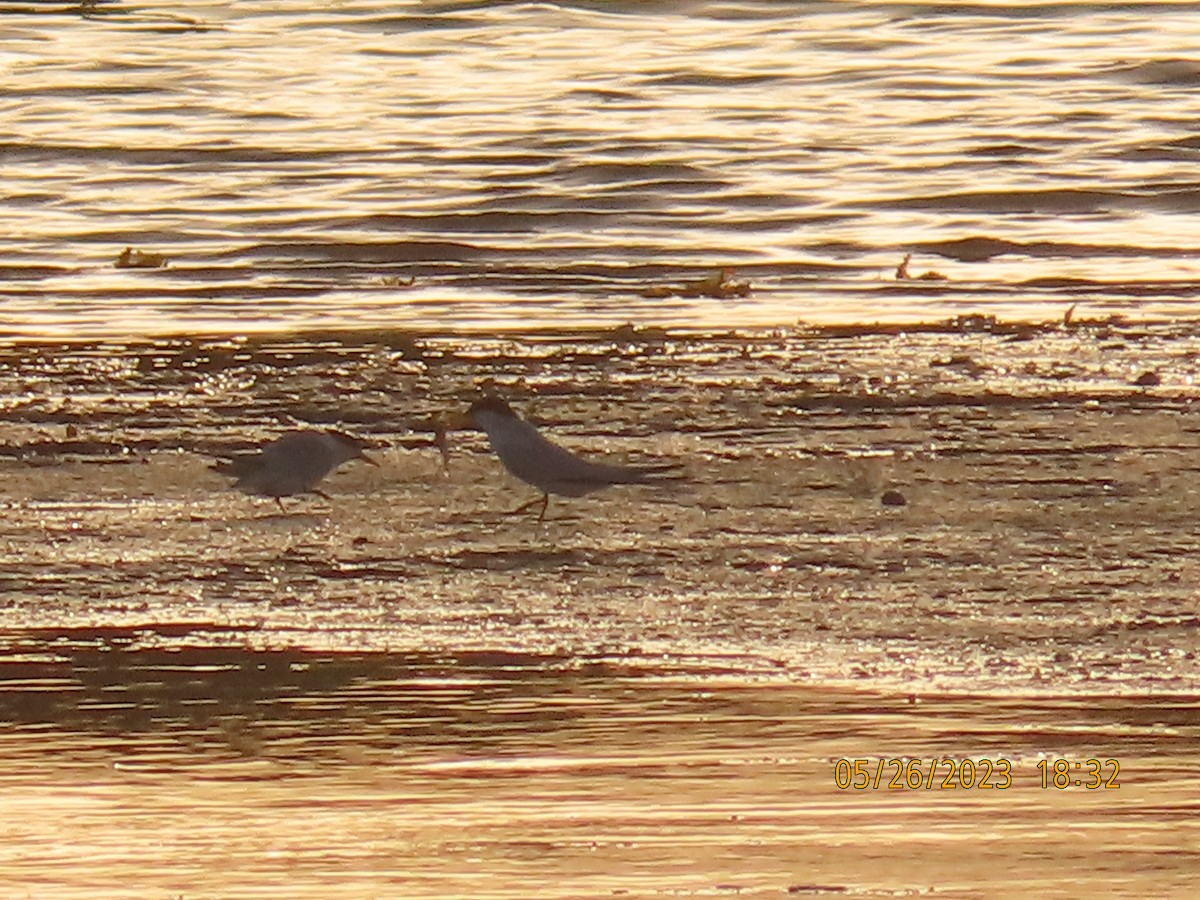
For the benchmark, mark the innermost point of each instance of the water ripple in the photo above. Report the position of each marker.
(688, 136)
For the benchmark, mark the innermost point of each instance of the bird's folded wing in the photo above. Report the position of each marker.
(586, 472)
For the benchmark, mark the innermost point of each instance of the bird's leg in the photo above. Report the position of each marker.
(282, 508)
(544, 499)
(322, 494)
(545, 503)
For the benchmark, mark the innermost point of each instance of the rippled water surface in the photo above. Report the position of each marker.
(297, 163)
(365, 213)
(217, 773)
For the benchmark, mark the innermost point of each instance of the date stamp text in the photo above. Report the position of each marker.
(904, 774)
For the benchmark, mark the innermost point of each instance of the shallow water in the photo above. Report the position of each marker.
(206, 772)
(537, 163)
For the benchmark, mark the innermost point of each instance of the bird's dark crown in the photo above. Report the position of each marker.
(492, 404)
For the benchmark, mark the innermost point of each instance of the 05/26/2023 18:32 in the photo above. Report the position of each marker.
(966, 774)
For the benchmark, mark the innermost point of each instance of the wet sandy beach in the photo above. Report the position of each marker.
(405, 692)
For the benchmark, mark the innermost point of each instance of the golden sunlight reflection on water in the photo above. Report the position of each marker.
(564, 163)
(650, 694)
(193, 774)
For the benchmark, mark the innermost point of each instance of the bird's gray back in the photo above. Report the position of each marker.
(554, 469)
(294, 464)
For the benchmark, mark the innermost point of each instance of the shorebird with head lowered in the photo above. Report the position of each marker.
(545, 465)
(295, 463)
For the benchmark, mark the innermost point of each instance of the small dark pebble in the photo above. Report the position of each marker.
(893, 498)
(1148, 379)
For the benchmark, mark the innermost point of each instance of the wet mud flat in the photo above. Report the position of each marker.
(1035, 594)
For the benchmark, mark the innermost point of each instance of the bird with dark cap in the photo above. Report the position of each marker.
(548, 467)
